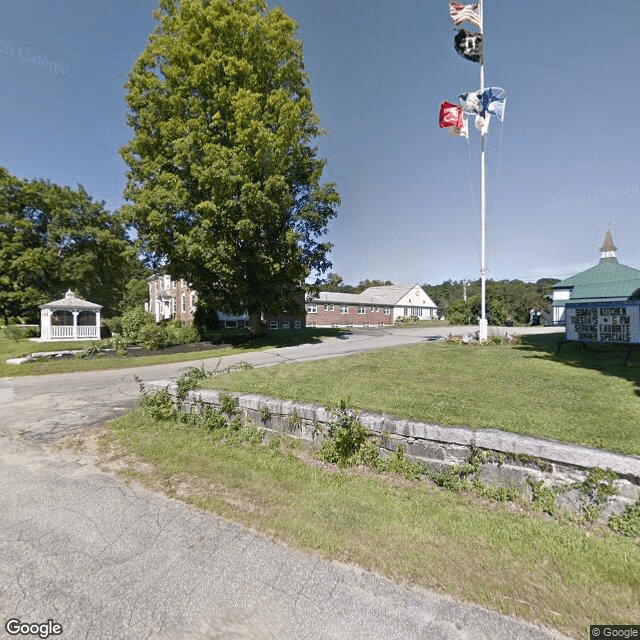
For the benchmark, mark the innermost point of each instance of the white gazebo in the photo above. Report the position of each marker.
(71, 318)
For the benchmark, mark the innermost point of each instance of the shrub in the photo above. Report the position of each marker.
(21, 332)
(205, 318)
(133, 321)
(118, 344)
(153, 336)
(184, 334)
(112, 326)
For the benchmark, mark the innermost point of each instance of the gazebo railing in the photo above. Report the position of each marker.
(65, 331)
(87, 331)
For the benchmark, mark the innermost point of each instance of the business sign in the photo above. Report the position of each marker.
(615, 322)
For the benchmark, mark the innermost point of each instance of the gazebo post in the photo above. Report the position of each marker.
(75, 324)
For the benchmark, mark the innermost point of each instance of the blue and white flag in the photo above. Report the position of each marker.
(471, 102)
(493, 101)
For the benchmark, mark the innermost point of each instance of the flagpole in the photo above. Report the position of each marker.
(484, 325)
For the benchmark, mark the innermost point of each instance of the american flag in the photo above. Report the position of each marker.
(464, 13)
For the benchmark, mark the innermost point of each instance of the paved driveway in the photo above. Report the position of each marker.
(108, 560)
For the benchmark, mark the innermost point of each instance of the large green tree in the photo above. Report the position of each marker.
(224, 183)
(53, 238)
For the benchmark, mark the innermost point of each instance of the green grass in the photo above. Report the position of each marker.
(14, 349)
(583, 397)
(524, 565)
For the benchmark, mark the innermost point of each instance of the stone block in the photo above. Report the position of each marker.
(504, 475)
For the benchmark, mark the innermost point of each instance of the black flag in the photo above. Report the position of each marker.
(469, 45)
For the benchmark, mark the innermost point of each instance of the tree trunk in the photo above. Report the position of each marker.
(255, 321)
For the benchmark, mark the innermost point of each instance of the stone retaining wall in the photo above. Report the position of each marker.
(511, 459)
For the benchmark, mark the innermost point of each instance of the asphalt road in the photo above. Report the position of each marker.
(107, 560)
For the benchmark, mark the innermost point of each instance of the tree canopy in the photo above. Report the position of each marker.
(53, 238)
(334, 282)
(506, 299)
(223, 180)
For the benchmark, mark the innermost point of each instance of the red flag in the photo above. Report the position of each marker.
(450, 115)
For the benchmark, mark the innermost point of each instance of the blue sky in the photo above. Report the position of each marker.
(563, 166)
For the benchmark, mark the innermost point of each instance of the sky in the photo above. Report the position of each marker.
(562, 167)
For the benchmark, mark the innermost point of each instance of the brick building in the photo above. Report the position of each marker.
(374, 307)
(170, 299)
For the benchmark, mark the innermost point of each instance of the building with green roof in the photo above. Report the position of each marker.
(608, 281)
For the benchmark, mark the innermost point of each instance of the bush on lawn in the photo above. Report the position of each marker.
(133, 321)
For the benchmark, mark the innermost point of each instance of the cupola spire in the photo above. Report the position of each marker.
(608, 249)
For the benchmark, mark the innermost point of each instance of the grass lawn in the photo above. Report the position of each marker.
(581, 396)
(14, 349)
(496, 555)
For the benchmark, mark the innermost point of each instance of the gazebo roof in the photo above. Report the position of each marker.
(70, 301)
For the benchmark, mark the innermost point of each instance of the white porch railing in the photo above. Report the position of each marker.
(67, 332)
(86, 332)
(62, 332)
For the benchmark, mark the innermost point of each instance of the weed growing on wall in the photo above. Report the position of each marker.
(190, 379)
(595, 490)
(543, 497)
(628, 522)
(158, 406)
(344, 439)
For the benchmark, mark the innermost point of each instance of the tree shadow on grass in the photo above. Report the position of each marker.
(608, 359)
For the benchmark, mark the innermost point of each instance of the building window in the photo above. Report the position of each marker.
(335, 325)
(183, 303)
(387, 311)
(312, 308)
(326, 307)
(361, 311)
(350, 324)
(285, 324)
(297, 324)
(344, 309)
(273, 324)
